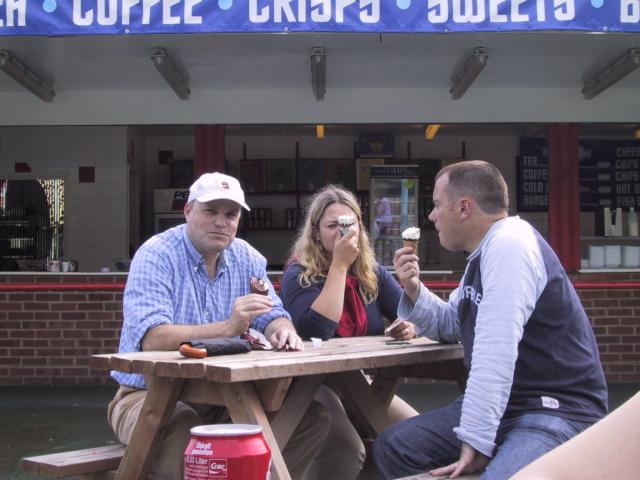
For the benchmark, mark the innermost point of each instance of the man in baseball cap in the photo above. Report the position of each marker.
(192, 282)
(217, 186)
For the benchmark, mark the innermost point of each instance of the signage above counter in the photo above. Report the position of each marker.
(609, 174)
(118, 17)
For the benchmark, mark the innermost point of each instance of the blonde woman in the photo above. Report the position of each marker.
(333, 286)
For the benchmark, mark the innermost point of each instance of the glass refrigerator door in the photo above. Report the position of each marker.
(394, 207)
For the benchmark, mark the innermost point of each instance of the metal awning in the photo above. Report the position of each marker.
(370, 78)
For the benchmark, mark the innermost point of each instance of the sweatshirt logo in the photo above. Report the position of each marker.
(470, 293)
(550, 402)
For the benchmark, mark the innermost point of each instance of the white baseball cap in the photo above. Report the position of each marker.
(217, 186)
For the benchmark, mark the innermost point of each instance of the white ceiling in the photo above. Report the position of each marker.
(265, 78)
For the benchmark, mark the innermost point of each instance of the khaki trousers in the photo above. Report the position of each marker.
(343, 453)
(123, 411)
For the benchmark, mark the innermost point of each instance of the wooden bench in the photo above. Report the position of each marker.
(77, 462)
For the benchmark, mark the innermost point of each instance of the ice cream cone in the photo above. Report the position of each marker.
(411, 238)
(411, 243)
(344, 223)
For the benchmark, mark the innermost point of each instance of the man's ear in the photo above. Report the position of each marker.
(466, 206)
(187, 209)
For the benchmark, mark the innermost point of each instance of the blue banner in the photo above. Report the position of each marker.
(109, 17)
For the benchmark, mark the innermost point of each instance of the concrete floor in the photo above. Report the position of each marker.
(39, 420)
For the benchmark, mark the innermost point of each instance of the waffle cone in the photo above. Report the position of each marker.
(411, 243)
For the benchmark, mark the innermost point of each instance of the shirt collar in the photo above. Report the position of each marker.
(194, 257)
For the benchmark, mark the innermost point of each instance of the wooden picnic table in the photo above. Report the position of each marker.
(274, 388)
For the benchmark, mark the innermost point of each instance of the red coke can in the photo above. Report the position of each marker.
(229, 451)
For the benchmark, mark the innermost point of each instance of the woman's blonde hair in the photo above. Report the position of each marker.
(311, 255)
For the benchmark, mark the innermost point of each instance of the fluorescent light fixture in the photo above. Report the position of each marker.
(16, 69)
(319, 131)
(616, 70)
(464, 76)
(175, 77)
(318, 72)
(431, 130)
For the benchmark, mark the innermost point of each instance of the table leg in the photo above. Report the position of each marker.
(385, 388)
(162, 395)
(243, 403)
(294, 407)
(364, 406)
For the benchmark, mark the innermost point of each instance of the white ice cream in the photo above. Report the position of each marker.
(411, 233)
(345, 222)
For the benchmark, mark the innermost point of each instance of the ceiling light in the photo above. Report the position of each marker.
(464, 76)
(616, 70)
(26, 77)
(175, 77)
(318, 72)
(431, 130)
(319, 131)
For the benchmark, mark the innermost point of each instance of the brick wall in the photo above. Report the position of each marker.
(46, 338)
(615, 316)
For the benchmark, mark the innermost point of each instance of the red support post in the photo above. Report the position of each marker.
(564, 194)
(210, 149)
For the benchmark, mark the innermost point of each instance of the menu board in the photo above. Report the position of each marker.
(609, 174)
(532, 173)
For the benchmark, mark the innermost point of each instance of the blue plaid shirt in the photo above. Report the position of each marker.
(168, 284)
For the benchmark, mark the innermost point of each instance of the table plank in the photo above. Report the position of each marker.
(277, 367)
(201, 391)
(273, 392)
(220, 368)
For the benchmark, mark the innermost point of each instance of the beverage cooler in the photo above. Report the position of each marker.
(393, 203)
(168, 207)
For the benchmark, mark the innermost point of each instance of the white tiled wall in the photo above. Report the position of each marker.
(96, 214)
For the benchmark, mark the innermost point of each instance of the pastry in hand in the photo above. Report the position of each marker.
(259, 286)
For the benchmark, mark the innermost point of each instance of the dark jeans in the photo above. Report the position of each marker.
(427, 441)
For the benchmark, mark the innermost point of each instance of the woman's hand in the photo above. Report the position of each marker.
(401, 330)
(345, 249)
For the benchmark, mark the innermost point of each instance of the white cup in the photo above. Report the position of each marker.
(316, 342)
(630, 256)
(105, 269)
(612, 256)
(596, 256)
(53, 266)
